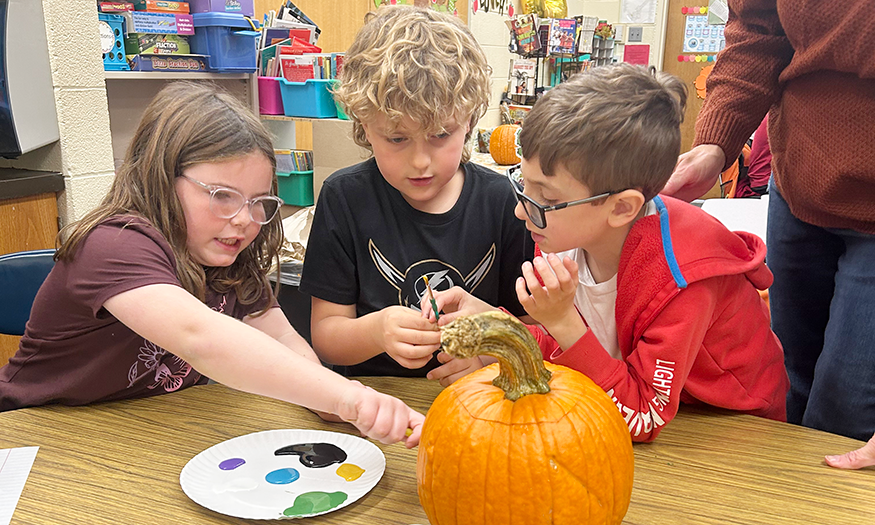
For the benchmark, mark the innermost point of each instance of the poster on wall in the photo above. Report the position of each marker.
(446, 6)
(637, 11)
(718, 12)
(702, 37)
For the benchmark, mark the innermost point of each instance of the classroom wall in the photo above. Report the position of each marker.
(492, 33)
(84, 152)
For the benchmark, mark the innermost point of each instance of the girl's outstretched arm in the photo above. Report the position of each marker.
(245, 358)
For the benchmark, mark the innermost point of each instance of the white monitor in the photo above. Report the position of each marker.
(28, 119)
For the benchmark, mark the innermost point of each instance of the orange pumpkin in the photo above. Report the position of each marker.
(545, 446)
(503, 144)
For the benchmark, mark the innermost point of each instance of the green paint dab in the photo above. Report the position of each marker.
(314, 503)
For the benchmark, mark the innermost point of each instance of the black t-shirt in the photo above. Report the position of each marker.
(370, 248)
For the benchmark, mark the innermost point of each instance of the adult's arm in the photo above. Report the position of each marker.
(742, 87)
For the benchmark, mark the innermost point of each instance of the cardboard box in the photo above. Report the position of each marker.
(333, 148)
(115, 7)
(167, 62)
(149, 44)
(158, 23)
(156, 6)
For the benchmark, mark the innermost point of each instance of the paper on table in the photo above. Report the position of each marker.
(15, 464)
(749, 215)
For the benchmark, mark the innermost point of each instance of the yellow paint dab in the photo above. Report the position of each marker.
(350, 472)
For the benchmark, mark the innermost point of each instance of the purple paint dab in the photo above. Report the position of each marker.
(231, 464)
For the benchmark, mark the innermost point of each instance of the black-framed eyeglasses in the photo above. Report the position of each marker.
(537, 212)
(226, 203)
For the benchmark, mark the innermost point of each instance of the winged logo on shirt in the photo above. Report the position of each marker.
(442, 276)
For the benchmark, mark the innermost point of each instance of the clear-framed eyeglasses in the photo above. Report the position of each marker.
(537, 212)
(226, 203)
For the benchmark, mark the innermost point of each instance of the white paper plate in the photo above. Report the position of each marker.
(245, 491)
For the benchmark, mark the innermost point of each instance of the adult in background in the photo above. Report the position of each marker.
(819, 82)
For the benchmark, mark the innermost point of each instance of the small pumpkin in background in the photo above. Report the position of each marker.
(503, 144)
(521, 441)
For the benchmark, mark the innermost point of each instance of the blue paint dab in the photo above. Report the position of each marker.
(282, 476)
(231, 464)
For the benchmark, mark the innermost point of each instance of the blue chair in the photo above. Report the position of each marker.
(21, 275)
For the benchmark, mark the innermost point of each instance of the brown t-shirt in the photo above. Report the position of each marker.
(74, 352)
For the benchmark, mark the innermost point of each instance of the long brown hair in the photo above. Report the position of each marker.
(187, 123)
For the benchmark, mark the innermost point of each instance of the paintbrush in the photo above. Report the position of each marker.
(431, 298)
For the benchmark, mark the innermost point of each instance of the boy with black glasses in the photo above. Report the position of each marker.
(650, 297)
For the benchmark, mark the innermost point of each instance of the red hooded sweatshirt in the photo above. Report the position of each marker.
(691, 325)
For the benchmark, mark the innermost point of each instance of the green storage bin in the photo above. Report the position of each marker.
(296, 187)
(340, 113)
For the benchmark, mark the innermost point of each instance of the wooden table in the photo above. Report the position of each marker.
(120, 462)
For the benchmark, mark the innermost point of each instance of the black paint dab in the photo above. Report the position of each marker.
(314, 455)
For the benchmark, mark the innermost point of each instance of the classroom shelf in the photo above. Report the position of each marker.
(292, 119)
(173, 75)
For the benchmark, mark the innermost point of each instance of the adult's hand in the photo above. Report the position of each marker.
(695, 172)
(862, 457)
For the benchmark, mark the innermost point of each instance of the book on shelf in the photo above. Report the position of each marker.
(521, 79)
(297, 68)
(562, 36)
(585, 32)
(290, 12)
(296, 46)
(544, 35)
(525, 33)
(517, 113)
(318, 66)
(267, 59)
(312, 35)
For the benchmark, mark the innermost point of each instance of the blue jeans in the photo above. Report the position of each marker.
(823, 306)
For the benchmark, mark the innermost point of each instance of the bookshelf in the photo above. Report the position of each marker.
(129, 92)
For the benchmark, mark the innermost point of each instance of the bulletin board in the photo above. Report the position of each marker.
(702, 37)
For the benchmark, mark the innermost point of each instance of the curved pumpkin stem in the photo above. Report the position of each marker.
(505, 338)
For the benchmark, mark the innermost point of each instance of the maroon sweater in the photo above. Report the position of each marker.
(813, 63)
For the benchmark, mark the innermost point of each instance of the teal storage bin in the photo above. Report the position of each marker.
(112, 42)
(310, 98)
(296, 187)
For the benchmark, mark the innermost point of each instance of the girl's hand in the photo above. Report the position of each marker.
(379, 416)
(407, 337)
(553, 302)
(453, 303)
(453, 369)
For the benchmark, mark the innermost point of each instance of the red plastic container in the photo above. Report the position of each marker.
(270, 99)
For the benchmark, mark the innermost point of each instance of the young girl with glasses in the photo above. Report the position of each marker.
(165, 285)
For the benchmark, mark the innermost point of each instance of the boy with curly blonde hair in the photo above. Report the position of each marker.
(649, 296)
(414, 83)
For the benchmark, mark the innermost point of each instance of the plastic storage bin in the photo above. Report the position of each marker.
(112, 42)
(270, 100)
(310, 98)
(227, 39)
(295, 187)
(239, 7)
